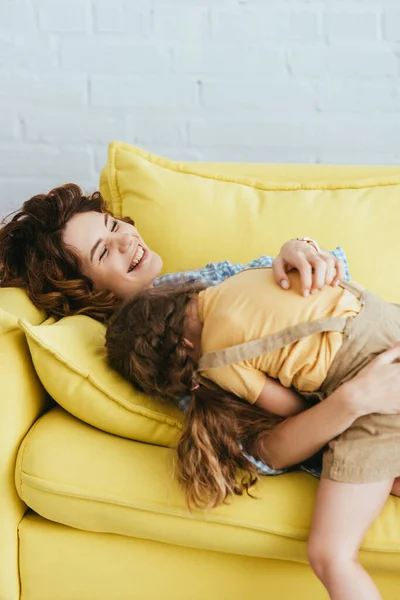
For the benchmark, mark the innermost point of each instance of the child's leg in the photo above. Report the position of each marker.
(343, 513)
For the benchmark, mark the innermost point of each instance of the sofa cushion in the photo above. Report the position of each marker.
(193, 214)
(73, 474)
(70, 359)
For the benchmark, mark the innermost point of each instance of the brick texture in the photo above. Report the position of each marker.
(251, 80)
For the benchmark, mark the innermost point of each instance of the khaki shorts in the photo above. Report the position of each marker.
(369, 450)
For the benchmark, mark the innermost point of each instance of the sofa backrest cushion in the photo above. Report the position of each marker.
(192, 214)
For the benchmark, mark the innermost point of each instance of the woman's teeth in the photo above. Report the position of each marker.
(136, 259)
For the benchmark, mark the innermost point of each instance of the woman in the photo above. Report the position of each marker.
(73, 257)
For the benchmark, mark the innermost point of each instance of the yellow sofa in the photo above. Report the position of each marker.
(90, 509)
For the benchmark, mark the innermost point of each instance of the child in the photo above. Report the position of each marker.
(244, 336)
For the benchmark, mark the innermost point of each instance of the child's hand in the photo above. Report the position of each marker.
(316, 269)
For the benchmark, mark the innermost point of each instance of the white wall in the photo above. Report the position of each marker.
(248, 80)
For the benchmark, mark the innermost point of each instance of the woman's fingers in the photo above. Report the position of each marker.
(319, 268)
(386, 358)
(316, 269)
(377, 385)
(339, 270)
(328, 270)
(330, 274)
(279, 270)
(305, 270)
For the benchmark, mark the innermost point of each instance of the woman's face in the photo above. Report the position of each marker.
(113, 254)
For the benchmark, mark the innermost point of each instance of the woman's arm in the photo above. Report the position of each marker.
(376, 388)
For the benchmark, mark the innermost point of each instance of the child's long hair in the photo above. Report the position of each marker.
(144, 344)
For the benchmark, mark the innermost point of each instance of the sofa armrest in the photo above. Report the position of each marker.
(22, 400)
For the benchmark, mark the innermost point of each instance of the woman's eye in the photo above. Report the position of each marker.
(115, 225)
(102, 255)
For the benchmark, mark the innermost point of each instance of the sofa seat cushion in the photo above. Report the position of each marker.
(192, 214)
(76, 475)
(70, 359)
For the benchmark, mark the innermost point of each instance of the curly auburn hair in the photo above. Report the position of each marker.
(33, 255)
(144, 344)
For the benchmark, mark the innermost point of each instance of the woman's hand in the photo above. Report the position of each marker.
(376, 388)
(316, 269)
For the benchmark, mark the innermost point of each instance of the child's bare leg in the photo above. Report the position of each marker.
(343, 513)
(396, 487)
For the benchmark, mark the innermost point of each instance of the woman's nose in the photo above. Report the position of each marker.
(123, 241)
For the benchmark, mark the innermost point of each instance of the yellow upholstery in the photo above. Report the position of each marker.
(115, 494)
(70, 359)
(146, 569)
(107, 519)
(22, 400)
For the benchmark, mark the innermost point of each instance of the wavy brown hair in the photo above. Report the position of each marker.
(33, 255)
(144, 344)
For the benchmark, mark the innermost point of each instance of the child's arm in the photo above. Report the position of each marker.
(246, 382)
(279, 400)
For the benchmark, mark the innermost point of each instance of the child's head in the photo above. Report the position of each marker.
(145, 344)
(144, 341)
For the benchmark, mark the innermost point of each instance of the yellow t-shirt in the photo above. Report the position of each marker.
(251, 305)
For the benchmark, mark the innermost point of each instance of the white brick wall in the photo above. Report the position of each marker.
(256, 80)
